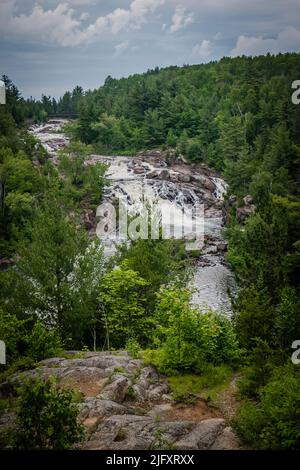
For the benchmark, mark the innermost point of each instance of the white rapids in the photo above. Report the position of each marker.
(175, 187)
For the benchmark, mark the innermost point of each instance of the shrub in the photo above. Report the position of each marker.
(274, 421)
(43, 342)
(188, 339)
(122, 293)
(133, 348)
(47, 417)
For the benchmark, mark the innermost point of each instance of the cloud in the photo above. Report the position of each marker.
(204, 50)
(120, 48)
(181, 19)
(79, 3)
(61, 26)
(287, 40)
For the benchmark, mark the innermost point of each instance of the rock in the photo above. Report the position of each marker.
(157, 392)
(202, 436)
(183, 178)
(117, 389)
(226, 441)
(242, 213)
(210, 250)
(147, 377)
(53, 362)
(222, 247)
(232, 200)
(99, 408)
(158, 410)
(153, 174)
(121, 433)
(248, 200)
(204, 181)
(139, 170)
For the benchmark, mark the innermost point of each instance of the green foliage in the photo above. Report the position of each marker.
(47, 417)
(122, 292)
(43, 343)
(57, 275)
(156, 261)
(83, 184)
(207, 385)
(188, 339)
(12, 332)
(274, 422)
(133, 348)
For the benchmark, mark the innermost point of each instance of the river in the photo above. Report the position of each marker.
(175, 187)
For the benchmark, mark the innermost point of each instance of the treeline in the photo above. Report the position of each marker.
(38, 111)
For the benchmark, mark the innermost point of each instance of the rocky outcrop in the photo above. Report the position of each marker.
(127, 405)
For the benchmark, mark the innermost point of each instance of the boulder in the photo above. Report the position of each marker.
(139, 170)
(117, 389)
(242, 213)
(94, 407)
(184, 178)
(203, 436)
(232, 200)
(222, 246)
(226, 441)
(204, 181)
(248, 200)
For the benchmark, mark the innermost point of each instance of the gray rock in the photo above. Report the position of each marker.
(226, 441)
(204, 181)
(117, 389)
(99, 408)
(222, 247)
(202, 436)
(157, 392)
(232, 200)
(248, 200)
(242, 213)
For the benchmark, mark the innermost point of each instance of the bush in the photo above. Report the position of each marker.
(122, 293)
(47, 417)
(188, 339)
(274, 421)
(133, 348)
(43, 342)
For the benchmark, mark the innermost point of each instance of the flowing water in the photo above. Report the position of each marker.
(175, 188)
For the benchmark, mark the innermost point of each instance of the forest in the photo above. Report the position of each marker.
(59, 292)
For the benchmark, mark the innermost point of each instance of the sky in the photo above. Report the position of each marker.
(50, 46)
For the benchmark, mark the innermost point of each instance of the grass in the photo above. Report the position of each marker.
(208, 385)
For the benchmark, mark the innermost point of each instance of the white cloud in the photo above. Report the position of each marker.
(120, 48)
(287, 40)
(181, 19)
(79, 3)
(61, 26)
(204, 50)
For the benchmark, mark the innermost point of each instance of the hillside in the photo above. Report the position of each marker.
(182, 130)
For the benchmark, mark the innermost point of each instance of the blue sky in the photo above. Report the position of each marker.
(49, 46)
